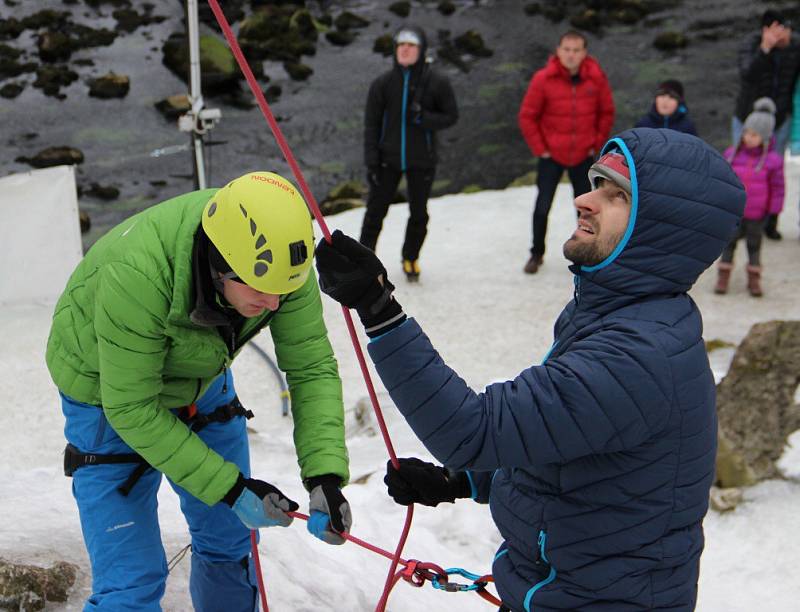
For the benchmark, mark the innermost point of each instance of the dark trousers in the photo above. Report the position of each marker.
(750, 230)
(381, 192)
(549, 175)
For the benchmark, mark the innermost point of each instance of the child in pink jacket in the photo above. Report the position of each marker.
(760, 169)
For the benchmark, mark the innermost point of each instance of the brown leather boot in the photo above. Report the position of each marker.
(754, 281)
(723, 277)
(532, 267)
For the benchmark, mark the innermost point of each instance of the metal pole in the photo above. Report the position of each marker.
(195, 91)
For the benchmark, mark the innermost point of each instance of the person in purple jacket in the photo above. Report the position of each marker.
(760, 168)
(669, 110)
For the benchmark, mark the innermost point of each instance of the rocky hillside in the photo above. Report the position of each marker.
(96, 76)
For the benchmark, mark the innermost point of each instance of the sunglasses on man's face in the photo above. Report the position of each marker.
(232, 276)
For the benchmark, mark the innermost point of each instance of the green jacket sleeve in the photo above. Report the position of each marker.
(304, 353)
(130, 312)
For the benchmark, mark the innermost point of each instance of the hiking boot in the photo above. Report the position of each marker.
(723, 277)
(412, 270)
(754, 281)
(532, 267)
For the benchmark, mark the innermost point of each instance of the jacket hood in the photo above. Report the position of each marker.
(685, 206)
(423, 47)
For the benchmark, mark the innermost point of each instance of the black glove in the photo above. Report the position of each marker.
(374, 175)
(259, 504)
(420, 482)
(353, 275)
(329, 510)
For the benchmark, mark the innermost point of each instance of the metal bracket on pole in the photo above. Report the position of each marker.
(198, 120)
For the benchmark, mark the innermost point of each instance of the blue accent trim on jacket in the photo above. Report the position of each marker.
(550, 577)
(376, 338)
(473, 489)
(406, 73)
(549, 352)
(634, 205)
(500, 554)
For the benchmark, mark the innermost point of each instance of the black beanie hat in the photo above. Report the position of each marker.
(671, 87)
(770, 16)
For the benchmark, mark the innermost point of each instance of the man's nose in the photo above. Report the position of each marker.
(586, 202)
(269, 301)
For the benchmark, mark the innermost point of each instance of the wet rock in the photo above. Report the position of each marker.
(384, 45)
(724, 500)
(27, 587)
(84, 37)
(85, 220)
(54, 156)
(340, 38)
(83, 61)
(47, 18)
(129, 20)
(302, 21)
(12, 68)
(669, 41)
(272, 93)
(217, 66)
(532, 8)
(10, 28)
(334, 207)
(401, 9)
(297, 71)
(232, 9)
(472, 42)
(588, 20)
(102, 192)
(173, 107)
(755, 403)
(11, 90)
(446, 7)
(7, 52)
(54, 46)
(50, 78)
(111, 85)
(348, 21)
(447, 51)
(347, 190)
(526, 180)
(278, 34)
(554, 12)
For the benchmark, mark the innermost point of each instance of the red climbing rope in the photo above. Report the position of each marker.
(420, 571)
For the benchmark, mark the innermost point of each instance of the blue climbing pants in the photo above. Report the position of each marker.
(122, 536)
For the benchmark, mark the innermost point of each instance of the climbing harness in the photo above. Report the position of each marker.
(393, 576)
(74, 459)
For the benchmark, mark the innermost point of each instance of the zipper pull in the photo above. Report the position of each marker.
(224, 379)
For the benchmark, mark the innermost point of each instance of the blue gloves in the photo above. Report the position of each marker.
(259, 504)
(329, 510)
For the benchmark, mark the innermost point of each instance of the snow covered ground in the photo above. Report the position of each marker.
(489, 321)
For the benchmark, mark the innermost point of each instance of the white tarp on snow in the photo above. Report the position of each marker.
(41, 229)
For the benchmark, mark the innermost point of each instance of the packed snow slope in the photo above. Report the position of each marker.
(489, 321)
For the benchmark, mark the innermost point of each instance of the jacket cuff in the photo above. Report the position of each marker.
(235, 491)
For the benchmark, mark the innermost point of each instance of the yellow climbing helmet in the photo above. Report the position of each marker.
(261, 226)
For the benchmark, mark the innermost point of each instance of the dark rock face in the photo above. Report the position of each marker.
(27, 587)
(54, 156)
(110, 85)
(401, 9)
(755, 403)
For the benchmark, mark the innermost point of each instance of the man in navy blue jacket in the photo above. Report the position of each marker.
(597, 463)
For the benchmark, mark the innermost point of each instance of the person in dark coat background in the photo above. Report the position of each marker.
(769, 63)
(669, 110)
(565, 117)
(406, 106)
(597, 464)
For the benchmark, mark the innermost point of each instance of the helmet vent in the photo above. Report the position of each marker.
(261, 241)
(265, 256)
(260, 269)
(212, 209)
(244, 210)
(298, 252)
(253, 227)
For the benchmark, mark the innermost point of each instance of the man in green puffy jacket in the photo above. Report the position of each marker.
(140, 349)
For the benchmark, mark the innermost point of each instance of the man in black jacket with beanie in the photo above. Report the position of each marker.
(769, 63)
(406, 106)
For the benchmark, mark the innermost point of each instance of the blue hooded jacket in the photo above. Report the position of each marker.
(597, 464)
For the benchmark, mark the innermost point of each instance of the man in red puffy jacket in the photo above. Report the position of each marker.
(565, 117)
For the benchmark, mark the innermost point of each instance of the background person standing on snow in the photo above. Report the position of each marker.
(669, 109)
(565, 117)
(148, 324)
(406, 106)
(769, 63)
(599, 461)
(760, 169)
